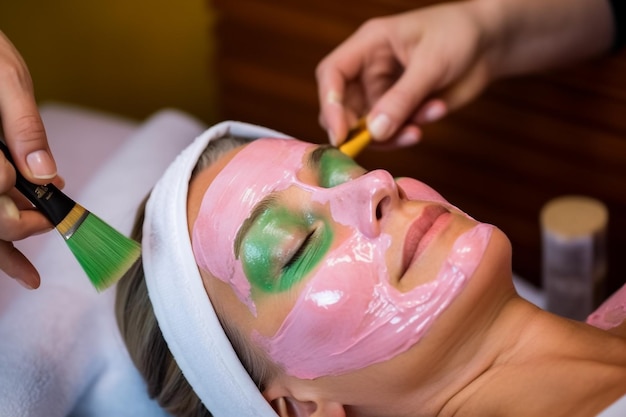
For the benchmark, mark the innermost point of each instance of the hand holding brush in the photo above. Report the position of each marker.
(103, 253)
(21, 122)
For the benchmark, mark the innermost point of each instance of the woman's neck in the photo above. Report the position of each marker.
(531, 362)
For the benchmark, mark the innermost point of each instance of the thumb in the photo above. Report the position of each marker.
(400, 104)
(21, 122)
(25, 136)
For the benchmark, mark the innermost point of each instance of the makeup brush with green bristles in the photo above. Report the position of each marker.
(104, 253)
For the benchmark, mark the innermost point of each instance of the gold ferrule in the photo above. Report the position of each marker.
(72, 221)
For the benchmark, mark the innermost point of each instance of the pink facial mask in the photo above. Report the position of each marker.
(348, 315)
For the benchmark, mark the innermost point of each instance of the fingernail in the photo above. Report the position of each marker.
(8, 209)
(41, 165)
(434, 111)
(332, 138)
(24, 284)
(379, 128)
(333, 97)
(408, 139)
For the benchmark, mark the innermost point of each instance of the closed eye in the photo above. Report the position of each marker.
(300, 251)
(310, 252)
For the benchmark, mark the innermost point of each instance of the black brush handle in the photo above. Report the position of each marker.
(47, 198)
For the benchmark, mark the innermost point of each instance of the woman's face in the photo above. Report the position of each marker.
(325, 266)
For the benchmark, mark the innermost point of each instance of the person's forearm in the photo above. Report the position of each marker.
(532, 35)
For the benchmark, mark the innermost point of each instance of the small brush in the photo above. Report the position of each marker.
(104, 253)
(358, 138)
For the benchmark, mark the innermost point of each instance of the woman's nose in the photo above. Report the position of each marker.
(373, 195)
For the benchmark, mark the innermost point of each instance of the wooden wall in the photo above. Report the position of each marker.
(500, 159)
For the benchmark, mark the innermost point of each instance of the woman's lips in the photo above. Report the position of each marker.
(420, 233)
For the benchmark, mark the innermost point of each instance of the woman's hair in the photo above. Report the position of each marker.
(140, 330)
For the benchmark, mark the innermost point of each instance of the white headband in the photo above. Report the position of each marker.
(181, 305)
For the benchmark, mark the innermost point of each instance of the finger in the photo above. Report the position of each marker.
(333, 114)
(401, 102)
(17, 266)
(7, 174)
(26, 138)
(434, 109)
(19, 224)
(408, 135)
(331, 83)
(7, 184)
(22, 125)
(337, 107)
(341, 68)
(59, 182)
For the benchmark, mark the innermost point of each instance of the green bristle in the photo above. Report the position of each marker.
(103, 252)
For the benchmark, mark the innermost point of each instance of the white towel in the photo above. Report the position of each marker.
(182, 308)
(61, 353)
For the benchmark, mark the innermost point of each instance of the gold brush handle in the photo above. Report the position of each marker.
(358, 138)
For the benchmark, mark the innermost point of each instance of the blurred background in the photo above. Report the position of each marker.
(500, 159)
(126, 57)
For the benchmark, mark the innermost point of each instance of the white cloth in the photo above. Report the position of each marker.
(182, 308)
(61, 353)
(617, 409)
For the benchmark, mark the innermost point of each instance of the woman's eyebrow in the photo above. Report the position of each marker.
(270, 201)
(314, 159)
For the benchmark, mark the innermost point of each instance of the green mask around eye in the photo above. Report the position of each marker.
(337, 168)
(268, 252)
